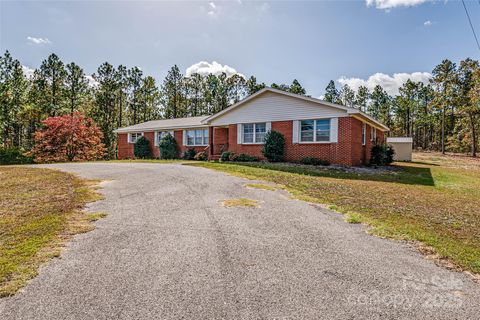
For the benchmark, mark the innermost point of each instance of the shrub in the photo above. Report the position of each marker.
(68, 138)
(243, 157)
(381, 155)
(201, 156)
(14, 156)
(189, 154)
(226, 156)
(141, 148)
(168, 147)
(314, 161)
(274, 147)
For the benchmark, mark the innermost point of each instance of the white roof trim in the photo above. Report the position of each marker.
(293, 95)
(126, 130)
(400, 139)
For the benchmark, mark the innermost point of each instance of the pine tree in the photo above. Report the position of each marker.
(172, 92)
(50, 80)
(331, 93)
(362, 98)
(76, 86)
(347, 96)
(297, 88)
(444, 81)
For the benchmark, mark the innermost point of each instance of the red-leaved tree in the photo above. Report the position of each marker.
(68, 138)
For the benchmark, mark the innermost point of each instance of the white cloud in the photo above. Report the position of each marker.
(427, 23)
(391, 84)
(205, 68)
(92, 82)
(27, 71)
(389, 4)
(39, 41)
(213, 10)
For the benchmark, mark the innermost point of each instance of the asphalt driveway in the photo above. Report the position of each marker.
(169, 250)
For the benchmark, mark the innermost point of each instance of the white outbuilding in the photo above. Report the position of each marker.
(402, 146)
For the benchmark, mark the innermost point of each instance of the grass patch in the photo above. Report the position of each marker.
(261, 186)
(241, 202)
(434, 200)
(39, 210)
(96, 216)
(353, 218)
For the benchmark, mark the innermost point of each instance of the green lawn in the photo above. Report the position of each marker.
(39, 210)
(434, 200)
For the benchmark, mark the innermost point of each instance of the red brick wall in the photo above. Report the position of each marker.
(348, 150)
(125, 149)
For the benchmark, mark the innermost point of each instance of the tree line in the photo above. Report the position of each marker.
(441, 115)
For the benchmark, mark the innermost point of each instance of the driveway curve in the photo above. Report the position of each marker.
(169, 250)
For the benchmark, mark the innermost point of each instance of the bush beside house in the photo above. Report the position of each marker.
(381, 155)
(168, 147)
(141, 148)
(274, 147)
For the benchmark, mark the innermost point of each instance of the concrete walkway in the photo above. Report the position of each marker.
(169, 250)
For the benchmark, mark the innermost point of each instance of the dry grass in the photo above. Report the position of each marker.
(241, 202)
(261, 186)
(39, 210)
(434, 200)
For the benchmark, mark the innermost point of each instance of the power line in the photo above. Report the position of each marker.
(471, 25)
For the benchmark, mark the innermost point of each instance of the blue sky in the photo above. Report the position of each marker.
(312, 41)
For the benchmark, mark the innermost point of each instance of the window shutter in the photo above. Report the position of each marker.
(156, 138)
(239, 133)
(184, 137)
(334, 130)
(268, 126)
(296, 130)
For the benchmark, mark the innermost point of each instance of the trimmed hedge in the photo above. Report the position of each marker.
(168, 147)
(141, 148)
(274, 147)
(189, 154)
(243, 157)
(226, 156)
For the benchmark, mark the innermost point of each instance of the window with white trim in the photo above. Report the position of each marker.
(373, 134)
(315, 130)
(198, 137)
(134, 136)
(364, 134)
(161, 135)
(254, 132)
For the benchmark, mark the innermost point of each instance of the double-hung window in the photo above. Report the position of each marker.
(134, 136)
(254, 132)
(198, 137)
(364, 134)
(315, 130)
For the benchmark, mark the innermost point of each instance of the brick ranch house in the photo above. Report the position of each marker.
(312, 128)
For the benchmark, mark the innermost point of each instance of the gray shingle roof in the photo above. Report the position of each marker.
(178, 123)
